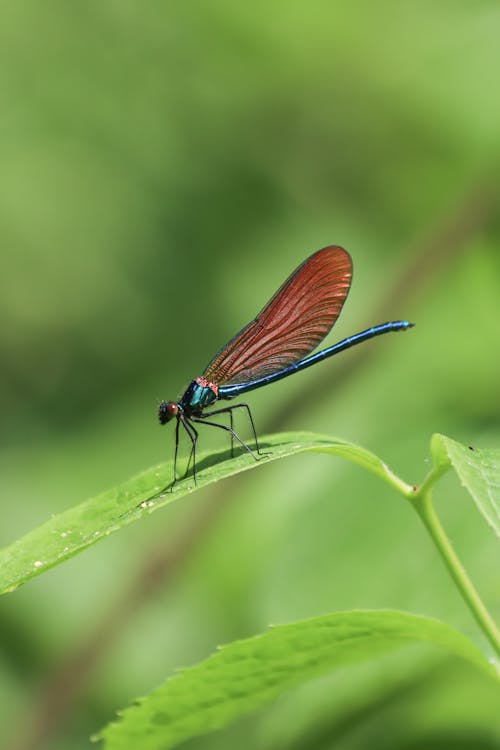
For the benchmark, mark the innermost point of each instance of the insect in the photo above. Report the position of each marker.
(276, 344)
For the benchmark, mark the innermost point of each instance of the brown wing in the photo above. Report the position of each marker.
(293, 322)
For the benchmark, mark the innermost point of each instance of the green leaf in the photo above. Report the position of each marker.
(479, 472)
(87, 523)
(247, 674)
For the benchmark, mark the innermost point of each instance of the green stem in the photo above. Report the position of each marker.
(422, 502)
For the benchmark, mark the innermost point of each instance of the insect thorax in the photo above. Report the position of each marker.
(199, 394)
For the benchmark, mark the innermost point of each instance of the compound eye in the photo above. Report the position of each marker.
(172, 409)
(167, 410)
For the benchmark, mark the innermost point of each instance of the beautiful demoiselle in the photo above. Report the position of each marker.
(272, 346)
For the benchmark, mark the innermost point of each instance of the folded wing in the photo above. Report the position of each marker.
(293, 322)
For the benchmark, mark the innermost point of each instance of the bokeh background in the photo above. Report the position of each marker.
(163, 168)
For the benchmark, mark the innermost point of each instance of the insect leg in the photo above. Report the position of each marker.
(230, 410)
(225, 410)
(175, 452)
(202, 420)
(193, 436)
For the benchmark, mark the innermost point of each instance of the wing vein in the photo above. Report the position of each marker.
(292, 324)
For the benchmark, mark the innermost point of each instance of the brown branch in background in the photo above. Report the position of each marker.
(61, 689)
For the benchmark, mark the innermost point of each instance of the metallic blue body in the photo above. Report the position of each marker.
(202, 392)
(231, 391)
(196, 398)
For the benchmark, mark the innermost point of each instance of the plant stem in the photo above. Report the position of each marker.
(422, 503)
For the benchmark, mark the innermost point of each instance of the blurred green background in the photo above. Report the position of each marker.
(164, 167)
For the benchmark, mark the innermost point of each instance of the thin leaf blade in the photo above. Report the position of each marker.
(479, 472)
(76, 529)
(250, 673)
